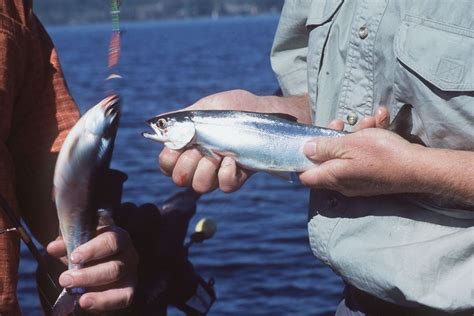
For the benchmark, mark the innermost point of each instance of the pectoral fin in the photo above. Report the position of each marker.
(402, 124)
(65, 304)
(287, 176)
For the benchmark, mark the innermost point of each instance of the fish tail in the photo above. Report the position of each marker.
(66, 302)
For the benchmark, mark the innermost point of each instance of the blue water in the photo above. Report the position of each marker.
(260, 257)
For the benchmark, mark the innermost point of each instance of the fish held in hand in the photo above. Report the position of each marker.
(82, 161)
(257, 141)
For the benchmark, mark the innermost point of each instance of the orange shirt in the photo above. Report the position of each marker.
(36, 112)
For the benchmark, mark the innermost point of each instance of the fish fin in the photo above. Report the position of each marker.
(284, 116)
(65, 304)
(208, 153)
(284, 175)
(105, 217)
(402, 124)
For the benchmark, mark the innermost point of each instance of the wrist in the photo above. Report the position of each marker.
(418, 170)
(297, 106)
(443, 173)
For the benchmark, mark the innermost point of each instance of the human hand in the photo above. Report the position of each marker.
(368, 162)
(110, 269)
(189, 168)
(381, 119)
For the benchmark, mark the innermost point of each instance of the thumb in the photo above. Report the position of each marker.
(323, 148)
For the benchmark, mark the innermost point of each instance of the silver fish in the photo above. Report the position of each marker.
(258, 141)
(271, 142)
(83, 158)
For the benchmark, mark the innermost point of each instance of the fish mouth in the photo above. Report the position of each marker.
(158, 134)
(111, 105)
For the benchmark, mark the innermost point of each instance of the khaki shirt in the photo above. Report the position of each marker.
(351, 57)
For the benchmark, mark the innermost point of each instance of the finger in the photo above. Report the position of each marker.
(382, 117)
(322, 176)
(205, 176)
(167, 160)
(100, 274)
(106, 244)
(366, 122)
(185, 167)
(337, 124)
(230, 177)
(57, 248)
(113, 299)
(321, 149)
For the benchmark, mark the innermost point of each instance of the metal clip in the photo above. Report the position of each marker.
(6, 230)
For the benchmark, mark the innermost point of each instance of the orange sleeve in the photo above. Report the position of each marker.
(36, 113)
(41, 120)
(12, 64)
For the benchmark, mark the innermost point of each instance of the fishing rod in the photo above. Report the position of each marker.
(26, 238)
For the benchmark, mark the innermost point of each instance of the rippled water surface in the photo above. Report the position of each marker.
(260, 257)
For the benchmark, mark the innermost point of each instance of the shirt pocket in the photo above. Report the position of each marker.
(439, 53)
(318, 24)
(434, 72)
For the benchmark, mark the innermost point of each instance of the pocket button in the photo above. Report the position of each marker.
(352, 118)
(363, 31)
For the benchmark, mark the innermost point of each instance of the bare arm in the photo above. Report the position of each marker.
(445, 173)
(376, 161)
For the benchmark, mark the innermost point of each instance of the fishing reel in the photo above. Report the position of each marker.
(204, 295)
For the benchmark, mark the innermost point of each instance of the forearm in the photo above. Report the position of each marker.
(297, 106)
(446, 173)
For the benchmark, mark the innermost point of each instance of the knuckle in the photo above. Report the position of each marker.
(180, 178)
(200, 187)
(110, 241)
(129, 295)
(81, 278)
(117, 270)
(229, 187)
(204, 182)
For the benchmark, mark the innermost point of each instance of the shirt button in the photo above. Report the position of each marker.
(352, 118)
(332, 202)
(363, 31)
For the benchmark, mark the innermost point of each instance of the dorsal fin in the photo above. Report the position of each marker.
(402, 124)
(284, 116)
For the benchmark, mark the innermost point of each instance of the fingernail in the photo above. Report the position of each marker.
(76, 257)
(309, 149)
(88, 304)
(65, 280)
(227, 162)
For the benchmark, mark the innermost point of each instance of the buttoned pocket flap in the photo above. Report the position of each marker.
(439, 53)
(321, 11)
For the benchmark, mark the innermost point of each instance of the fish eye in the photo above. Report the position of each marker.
(161, 123)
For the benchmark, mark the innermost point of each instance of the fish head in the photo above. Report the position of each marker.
(175, 130)
(102, 120)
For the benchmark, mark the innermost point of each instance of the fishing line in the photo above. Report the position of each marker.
(114, 47)
(26, 238)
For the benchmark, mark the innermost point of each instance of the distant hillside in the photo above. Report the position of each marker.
(86, 11)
